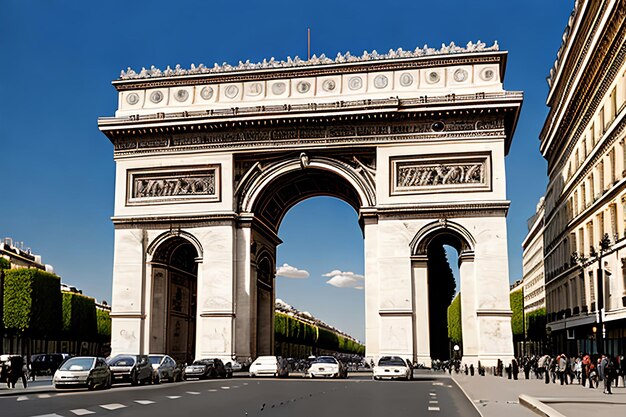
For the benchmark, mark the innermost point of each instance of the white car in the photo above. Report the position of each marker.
(234, 365)
(393, 367)
(327, 366)
(270, 366)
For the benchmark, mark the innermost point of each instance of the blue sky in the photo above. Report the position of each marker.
(59, 57)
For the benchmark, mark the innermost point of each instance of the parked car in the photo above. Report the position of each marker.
(47, 363)
(207, 368)
(83, 371)
(269, 365)
(235, 366)
(393, 367)
(135, 369)
(165, 368)
(327, 366)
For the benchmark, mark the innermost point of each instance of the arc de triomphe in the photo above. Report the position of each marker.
(208, 161)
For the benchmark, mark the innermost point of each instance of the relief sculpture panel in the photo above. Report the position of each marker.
(161, 186)
(437, 174)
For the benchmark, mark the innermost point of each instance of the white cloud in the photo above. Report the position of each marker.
(345, 279)
(288, 271)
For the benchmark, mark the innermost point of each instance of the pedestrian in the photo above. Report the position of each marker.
(585, 368)
(514, 368)
(547, 361)
(471, 369)
(16, 371)
(593, 375)
(527, 365)
(609, 374)
(578, 369)
(562, 369)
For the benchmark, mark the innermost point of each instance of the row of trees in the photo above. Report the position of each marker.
(525, 327)
(293, 330)
(35, 307)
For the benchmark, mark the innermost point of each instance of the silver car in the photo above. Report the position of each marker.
(83, 371)
(165, 368)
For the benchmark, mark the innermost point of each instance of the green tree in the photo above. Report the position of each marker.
(455, 332)
(79, 317)
(32, 302)
(517, 320)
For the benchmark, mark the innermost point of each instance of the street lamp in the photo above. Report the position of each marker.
(605, 244)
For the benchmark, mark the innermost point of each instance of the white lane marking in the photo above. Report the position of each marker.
(144, 402)
(173, 397)
(433, 402)
(433, 409)
(193, 392)
(113, 406)
(22, 398)
(225, 387)
(245, 383)
(235, 386)
(212, 390)
(82, 411)
(432, 394)
(44, 396)
(437, 383)
(49, 415)
(449, 386)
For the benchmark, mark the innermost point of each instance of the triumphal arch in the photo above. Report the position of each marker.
(209, 159)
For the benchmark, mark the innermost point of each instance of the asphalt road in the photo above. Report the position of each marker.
(356, 396)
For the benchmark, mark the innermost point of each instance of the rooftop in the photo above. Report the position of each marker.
(452, 48)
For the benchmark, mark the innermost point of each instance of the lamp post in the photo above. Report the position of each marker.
(605, 244)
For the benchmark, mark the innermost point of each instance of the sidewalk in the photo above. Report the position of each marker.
(42, 385)
(497, 397)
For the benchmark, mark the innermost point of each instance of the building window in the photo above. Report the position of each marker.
(601, 177)
(592, 288)
(590, 237)
(613, 215)
(592, 194)
(601, 230)
(612, 173)
(583, 196)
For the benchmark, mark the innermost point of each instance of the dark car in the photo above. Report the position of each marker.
(135, 369)
(47, 363)
(165, 368)
(207, 368)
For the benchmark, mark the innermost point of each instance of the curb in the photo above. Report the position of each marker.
(538, 407)
(15, 392)
(467, 396)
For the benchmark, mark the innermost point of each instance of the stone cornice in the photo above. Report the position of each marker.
(172, 221)
(445, 210)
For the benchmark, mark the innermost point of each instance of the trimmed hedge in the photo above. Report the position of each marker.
(536, 325)
(32, 302)
(455, 329)
(293, 330)
(517, 320)
(79, 317)
(5, 264)
(104, 324)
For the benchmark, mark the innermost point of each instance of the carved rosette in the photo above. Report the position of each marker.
(440, 174)
(184, 184)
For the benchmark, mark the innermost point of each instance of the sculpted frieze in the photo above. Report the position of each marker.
(426, 174)
(173, 185)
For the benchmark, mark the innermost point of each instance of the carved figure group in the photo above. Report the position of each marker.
(166, 187)
(429, 175)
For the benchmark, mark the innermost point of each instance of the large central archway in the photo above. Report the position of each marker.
(268, 194)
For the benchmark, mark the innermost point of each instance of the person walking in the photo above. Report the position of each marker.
(584, 368)
(602, 362)
(578, 369)
(562, 369)
(609, 374)
(515, 368)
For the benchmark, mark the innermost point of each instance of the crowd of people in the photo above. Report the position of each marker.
(584, 369)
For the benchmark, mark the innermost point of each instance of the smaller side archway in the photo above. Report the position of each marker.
(174, 274)
(430, 268)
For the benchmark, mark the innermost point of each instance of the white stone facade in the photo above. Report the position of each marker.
(532, 263)
(583, 142)
(416, 144)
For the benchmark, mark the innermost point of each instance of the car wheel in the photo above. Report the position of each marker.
(90, 385)
(109, 383)
(134, 381)
(156, 380)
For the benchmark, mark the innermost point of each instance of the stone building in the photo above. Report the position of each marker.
(21, 257)
(583, 143)
(532, 262)
(210, 159)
